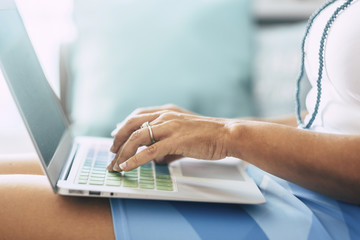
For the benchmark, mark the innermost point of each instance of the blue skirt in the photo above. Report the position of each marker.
(290, 212)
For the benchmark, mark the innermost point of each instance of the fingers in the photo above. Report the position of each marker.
(140, 137)
(128, 128)
(128, 136)
(129, 148)
(167, 107)
(124, 130)
(157, 150)
(150, 110)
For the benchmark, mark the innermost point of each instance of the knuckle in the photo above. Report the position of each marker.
(116, 143)
(135, 135)
(162, 117)
(175, 108)
(170, 106)
(151, 150)
(136, 161)
(138, 111)
(131, 121)
(174, 124)
(167, 115)
(117, 137)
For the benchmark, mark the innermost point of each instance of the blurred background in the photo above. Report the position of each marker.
(226, 58)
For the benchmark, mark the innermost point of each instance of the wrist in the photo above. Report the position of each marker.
(234, 138)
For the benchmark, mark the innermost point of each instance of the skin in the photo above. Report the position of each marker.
(325, 163)
(322, 162)
(31, 210)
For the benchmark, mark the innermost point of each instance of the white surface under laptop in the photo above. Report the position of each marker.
(62, 155)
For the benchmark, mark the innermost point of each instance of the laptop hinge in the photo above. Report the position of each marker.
(66, 170)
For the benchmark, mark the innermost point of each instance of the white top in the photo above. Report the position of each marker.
(339, 110)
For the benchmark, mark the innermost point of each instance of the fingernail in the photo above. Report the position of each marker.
(123, 166)
(116, 167)
(109, 168)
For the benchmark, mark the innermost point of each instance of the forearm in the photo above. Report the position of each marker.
(326, 163)
(290, 120)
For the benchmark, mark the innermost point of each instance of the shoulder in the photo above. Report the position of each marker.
(342, 53)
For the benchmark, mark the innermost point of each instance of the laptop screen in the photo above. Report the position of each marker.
(36, 101)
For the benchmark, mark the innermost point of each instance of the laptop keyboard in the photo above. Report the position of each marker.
(148, 176)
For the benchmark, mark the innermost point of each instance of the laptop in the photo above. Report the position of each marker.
(76, 166)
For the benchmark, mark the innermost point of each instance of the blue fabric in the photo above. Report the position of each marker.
(291, 212)
(147, 219)
(211, 221)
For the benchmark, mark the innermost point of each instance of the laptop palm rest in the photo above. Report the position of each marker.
(211, 170)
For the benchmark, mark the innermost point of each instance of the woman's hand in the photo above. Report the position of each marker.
(177, 133)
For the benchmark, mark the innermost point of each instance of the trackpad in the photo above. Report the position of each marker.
(210, 169)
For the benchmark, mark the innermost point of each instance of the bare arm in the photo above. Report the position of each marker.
(289, 120)
(326, 163)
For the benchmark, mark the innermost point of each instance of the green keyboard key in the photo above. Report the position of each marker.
(162, 176)
(98, 169)
(96, 182)
(102, 178)
(147, 176)
(147, 181)
(114, 178)
(164, 184)
(113, 183)
(146, 173)
(84, 177)
(130, 182)
(113, 174)
(83, 181)
(131, 174)
(147, 185)
(97, 175)
(142, 179)
(85, 170)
